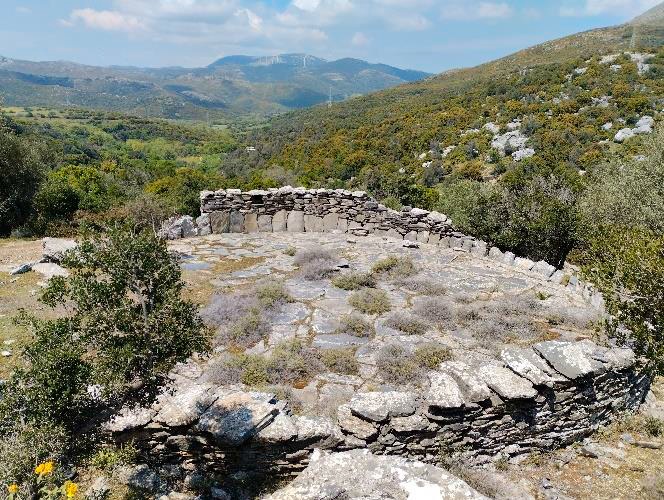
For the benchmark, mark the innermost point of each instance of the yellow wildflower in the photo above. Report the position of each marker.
(12, 488)
(44, 468)
(70, 489)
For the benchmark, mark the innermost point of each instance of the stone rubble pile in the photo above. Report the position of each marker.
(536, 398)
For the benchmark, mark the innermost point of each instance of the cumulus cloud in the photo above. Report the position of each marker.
(468, 11)
(107, 20)
(360, 39)
(599, 7)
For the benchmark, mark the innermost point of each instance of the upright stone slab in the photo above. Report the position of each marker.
(236, 222)
(251, 223)
(220, 222)
(295, 222)
(279, 221)
(265, 223)
(330, 222)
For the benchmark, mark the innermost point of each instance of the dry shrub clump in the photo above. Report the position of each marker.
(396, 365)
(423, 286)
(289, 363)
(355, 325)
(354, 281)
(407, 323)
(341, 361)
(242, 318)
(370, 301)
(505, 319)
(439, 312)
(395, 268)
(316, 263)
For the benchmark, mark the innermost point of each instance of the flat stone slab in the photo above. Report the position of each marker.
(444, 392)
(357, 426)
(528, 364)
(571, 359)
(379, 406)
(358, 474)
(236, 417)
(506, 383)
(472, 388)
(281, 429)
(186, 405)
(338, 341)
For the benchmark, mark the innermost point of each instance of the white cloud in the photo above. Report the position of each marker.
(360, 39)
(599, 7)
(107, 20)
(468, 11)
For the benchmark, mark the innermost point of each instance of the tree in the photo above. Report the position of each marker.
(21, 171)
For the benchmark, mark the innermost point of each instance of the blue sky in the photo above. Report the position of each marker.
(430, 35)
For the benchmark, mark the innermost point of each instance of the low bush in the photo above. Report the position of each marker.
(354, 281)
(356, 326)
(432, 355)
(290, 251)
(272, 294)
(316, 264)
(247, 331)
(340, 361)
(292, 363)
(227, 308)
(654, 427)
(394, 267)
(437, 311)
(370, 301)
(396, 365)
(423, 286)
(407, 323)
(506, 319)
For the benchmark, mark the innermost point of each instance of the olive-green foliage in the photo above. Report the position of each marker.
(125, 324)
(181, 191)
(394, 267)
(370, 301)
(110, 457)
(396, 365)
(340, 361)
(272, 293)
(22, 166)
(355, 325)
(354, 281)
(432, 355)
(248, 330)
(623, 252)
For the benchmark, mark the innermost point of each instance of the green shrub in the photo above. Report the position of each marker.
(654, 427)
(356, 326)
(340, 361)
(394, 267)
(432, 355)
(110, 457)
(354, 281)
(254, 371)
(272, 294)
(370, 301)
(293, 362)
(248, 330)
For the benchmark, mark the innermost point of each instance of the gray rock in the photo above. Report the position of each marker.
(506, 383)
(49, 270)
(379, 406)
(251, 223)
(472, 388)
(99, 489)
(203, 225)
(358, 474)
(544, 268)
(140, 477)
(281, 429)
(313, 224)
(279, 221)
(22, 269)
(185, 405)
(444, 392)
(220, 222)
(527, 363)
(265, 223)
(569, 358)
(414, 423)
(236, 417)
(351, 424)
(522, 263)
(54, 249)
(330, 222)
(322, 430)
(236, 222)
(295, 222)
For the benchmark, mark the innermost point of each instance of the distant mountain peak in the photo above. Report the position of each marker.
(652, 16)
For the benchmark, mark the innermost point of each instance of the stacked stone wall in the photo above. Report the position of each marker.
(300, 210)
(536, 399)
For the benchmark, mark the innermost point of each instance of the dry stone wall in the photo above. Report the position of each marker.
(299, 210)
(536, 398)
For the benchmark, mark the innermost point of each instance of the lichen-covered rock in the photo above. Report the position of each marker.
(55, 248)
(444, 392)
(351, 424)
(506, 383)
(572, 359)
(527, 363)
(379, 406)
(359, 474)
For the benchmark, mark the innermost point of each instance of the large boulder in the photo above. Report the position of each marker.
(55, 248)
(359, 474)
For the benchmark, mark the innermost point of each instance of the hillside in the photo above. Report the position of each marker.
(559, 104)
(229, 87)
